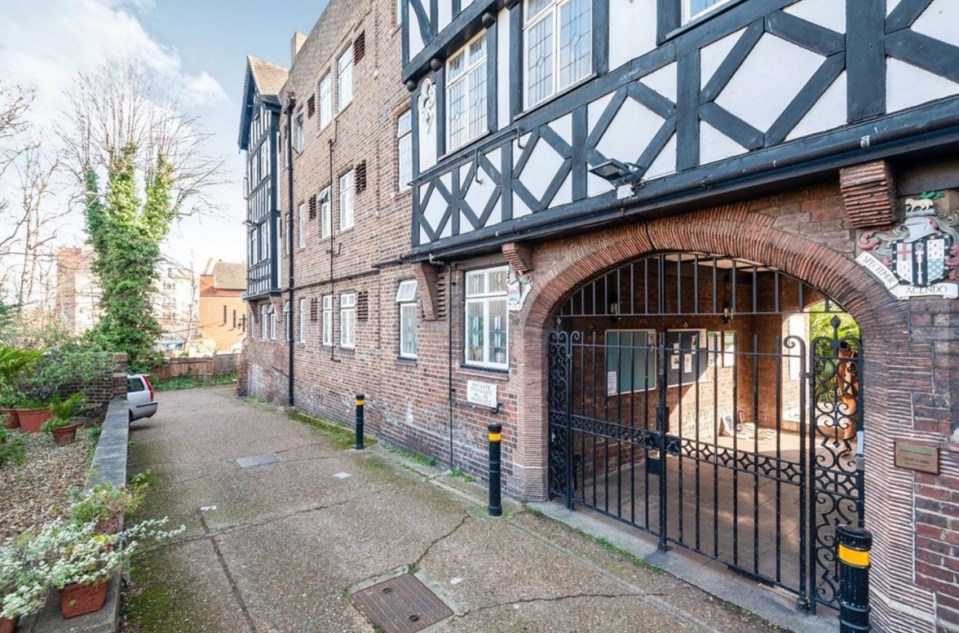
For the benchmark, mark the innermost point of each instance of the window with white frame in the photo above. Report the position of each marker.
(264, 323)
(399, 12)
(466, 93)
(298, 132)
(328, 319)
(348, 319)
(404, 151)
(271, 313)
(346, 200)
(302, 321)
(288, 321)
(326, 100)
(694, 8)
(406, 298)
(326, 215)
(279, 235)
(558, 46)
(487, 332)
(301, 218)
(344, 79)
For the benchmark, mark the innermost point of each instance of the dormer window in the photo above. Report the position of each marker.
(466, 93)
(558, 45)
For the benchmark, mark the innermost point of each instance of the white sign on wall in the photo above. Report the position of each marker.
(483, 393)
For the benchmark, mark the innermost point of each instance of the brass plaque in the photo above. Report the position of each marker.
(919, 457)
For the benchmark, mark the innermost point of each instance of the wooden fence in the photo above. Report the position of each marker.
(219, 365)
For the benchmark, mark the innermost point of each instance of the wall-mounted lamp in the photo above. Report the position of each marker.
(618, 173)
(727, 313)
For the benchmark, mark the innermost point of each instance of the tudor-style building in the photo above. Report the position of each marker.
(638, 220)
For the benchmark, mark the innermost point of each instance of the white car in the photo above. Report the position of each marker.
(141, 396)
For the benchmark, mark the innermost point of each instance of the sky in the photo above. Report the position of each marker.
(196, 48)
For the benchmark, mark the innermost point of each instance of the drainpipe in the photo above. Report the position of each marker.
(288, 321)
(331, 142)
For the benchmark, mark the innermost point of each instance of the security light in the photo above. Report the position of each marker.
(619, 173)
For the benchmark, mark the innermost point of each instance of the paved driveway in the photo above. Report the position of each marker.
(284, 546)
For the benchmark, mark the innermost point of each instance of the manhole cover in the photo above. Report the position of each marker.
(401, 605)
(257, 460)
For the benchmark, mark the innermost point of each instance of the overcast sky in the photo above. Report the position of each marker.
(197, 48)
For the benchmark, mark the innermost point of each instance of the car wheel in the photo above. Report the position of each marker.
(129, 417)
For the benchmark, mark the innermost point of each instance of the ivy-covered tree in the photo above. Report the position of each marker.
(147, 152)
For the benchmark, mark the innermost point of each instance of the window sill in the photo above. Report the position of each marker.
(483, 372)
(406, 360)
(553, 97)
(700, 19)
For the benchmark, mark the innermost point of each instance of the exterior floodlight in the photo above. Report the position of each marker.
(619, 173)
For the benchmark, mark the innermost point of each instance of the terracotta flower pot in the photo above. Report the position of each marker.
(8, 625)
(65, 434)
(13, 417)
(32, 419)
(83, 599)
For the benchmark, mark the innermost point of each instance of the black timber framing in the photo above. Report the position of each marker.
(516, 97)
(454, 35)
(865, 59)
(492, 85)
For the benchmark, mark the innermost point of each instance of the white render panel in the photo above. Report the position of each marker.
(665, 163)
(564, 127)
(908, 86)
(435, 208)
(710, 57)
(478, 195)
(416, 38)
(596, 185)
(768, 80)
(891, 5)
(714, 145)
(633, 127)
(632, 30)
(940, 21)
(424, 238)
(541, 168)
(444, 14)
(828, 13)
(518, 147)
(564, 195)
(828, 113)
(662, 81)
(596, 109)
(502, 68)
(519, 207)
(493, 156)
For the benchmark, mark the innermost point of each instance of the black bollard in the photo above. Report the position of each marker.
(853, 555)
(495, 435)
(360, 403)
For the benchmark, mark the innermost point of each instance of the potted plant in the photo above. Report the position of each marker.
(105, 505)
(62, 425)
(13, 362)
(23, 588)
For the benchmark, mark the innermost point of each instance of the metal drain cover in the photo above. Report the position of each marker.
(401, 605)
(257, 460)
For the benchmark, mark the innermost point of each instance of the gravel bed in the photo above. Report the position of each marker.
(39, 489)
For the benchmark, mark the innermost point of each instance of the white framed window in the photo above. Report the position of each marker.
(399, 12)
(344, 79)
(279, 235)
(406, 298)
(271, 313)
(264, 323)
(302, 321)
(298, 132)
(326, 215)
(692, 9)
(326, 100)
(557, 36)
(288, 321)
(466, 93)
(348, 319)
(487, 322)
(404, 151)
(328, 319)
(301, 230)
(346, 200)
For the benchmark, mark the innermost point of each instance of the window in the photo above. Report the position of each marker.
(344, 78)
(302, 227)
(406, 298)
(404, 151)
(288, 321)
(486, 318)
(399, 12)
(326, 217)
(328, 319)
(694, 8)
(298, 137)
(303, 320)
(326, 100)
(348, 320)
(630, 361)
(264, 323)
(346, 200)
(558, 40)
(466, 93)
(271, 312)
(279, 234)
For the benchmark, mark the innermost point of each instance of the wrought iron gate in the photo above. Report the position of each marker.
(645, 427)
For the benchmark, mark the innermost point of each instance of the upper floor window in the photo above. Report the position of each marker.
(326, 100)
(694, 8)
(302, 320)
(264, 322)
(328, 319)
(406, 298)
(301, 218)
(348, 320)
(466, 93)
(288, 321)
(271, 313)
(487, 332)
(346, 200)
(326, 217)
(404, 151)
(344, 78)
(558, 43)
(298, 135)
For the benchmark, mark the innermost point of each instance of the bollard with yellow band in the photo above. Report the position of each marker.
(360, 403)
(853, 545)
(495, 436)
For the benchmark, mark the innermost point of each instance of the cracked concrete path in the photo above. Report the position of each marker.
(282, 547)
